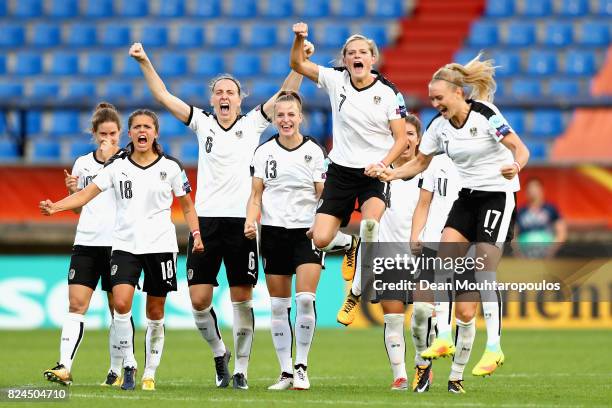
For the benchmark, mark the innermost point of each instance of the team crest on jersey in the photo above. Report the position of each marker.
(189, 274)
(163, 175)
(473, 131)
(239, 133)
(377, 100)
(308, 158)
(71, 273)
(114, 270)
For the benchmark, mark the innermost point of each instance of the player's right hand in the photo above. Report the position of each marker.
(250, 230)
(46, 207)
(108, 149)
(198, 245)
(138, 53)
(416, 247)
(71, 182)
(300, 29)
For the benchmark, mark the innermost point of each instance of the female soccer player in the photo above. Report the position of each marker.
(91, 252)
(288, 173)
(143, 181)
(470, 131)
(227, 141)
(368, 130)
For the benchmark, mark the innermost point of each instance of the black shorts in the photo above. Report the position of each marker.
(344, 185)
(89, 264)
(159, 270)
(224, 240)
(283, 250)
(484, 216)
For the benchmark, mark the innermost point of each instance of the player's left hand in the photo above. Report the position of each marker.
(107, 149)
(46, 207)
(250, 230)
(198, 245)
(309, 48)
(509, 171)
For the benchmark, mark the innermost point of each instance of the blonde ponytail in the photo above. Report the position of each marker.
(476, 75)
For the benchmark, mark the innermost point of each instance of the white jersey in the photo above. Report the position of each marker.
(97, 218)
(361, 132)
(396, 222)
(144, 197)
(224, 182)
(289, 197)
(442, 179)
(474, 147)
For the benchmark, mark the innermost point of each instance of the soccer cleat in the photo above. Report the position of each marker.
(346, 314)
(456, 387)
(488, 363)
(439, 348)
(423, 377)
(239, 382)
(58, 374)
(112, 380)
(148, 384)
(349, 261)
(285, 381)
(300, 378)
(223, 376)
(129, 379)
(400, 384)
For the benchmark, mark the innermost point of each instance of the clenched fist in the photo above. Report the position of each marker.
(138, 53)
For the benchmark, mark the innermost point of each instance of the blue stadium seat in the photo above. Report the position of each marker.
(98, 63)
(11, 35)
(377, 32)
(388, 8)
(28, 8)
(483, 34)
(499, 8)
(540, 62)
(63, 8)
(316, 124)
(172, 64)
(81, 89)
(193, 92)
(516, 119)
(351, 9)
(207, 8)
(537, 149)
(226, 36)
(45, 35)
(574, 8)
(315, 9)
(426, 116)
(190, 36)
(604, 8)
(119, 90)
(170, 126)
(2, 64)
(333, 35)
(546, 123)
(81, 35)
(594, 33)
(464, 55)
(3, 8)
(171, 8)
(558, 34)
(115, 35)
(98, 8)
(9, 151)
(277, 9)
(526, 88)
(132, 8)
(130, 67)
(77, 148)
(28, 63)
(580, 62)
(64, 122)
(508, 63)
(242, 9)
(262, 35)
(325, 59)
(520, 34)
(262, 90)
(308, 90)
(539, 8)
(154, 36)
(64, 63)
(277, 64)
(33, 122)
(564, 87)
(245, 64)
(189, 151)
(500, 88)
(208, 64)
(44, 150)
(43, 89)
(9, 90)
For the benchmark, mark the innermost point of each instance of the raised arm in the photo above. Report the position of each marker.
(174, 105)
(192, 221)
(76, 200)
(253, 208)
(299, 63)
(519, 152)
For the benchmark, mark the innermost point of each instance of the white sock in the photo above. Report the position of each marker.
(206, 322)
(124, 333)
(282, 336)
(466, 332)
(395, 344)
(154, 347)
(443, 316)
(368, 231)
(305, 324)
(432, 331)
(244, 323)
(421, 327)
(116, 355)
(341, 242)
(72, 334)
(492, 314)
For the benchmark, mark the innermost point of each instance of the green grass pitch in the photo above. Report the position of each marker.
(546, 368)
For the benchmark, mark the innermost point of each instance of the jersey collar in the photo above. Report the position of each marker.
(470, 101)
(277, 138)
(95, 158)
(367, 87)
(147, 166)
(231, 126)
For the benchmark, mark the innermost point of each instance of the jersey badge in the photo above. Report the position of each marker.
(308, 158)
(473, 131)
(239, 133)
(377, 100)
(163, 175)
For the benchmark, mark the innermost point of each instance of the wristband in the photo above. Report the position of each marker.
(195, 233)
(518, 166)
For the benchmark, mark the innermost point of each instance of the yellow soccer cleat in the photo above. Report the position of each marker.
(423, 377)
(58, 374)
(439, 348)
(349, 262)
(488, 363)
(148, 384)
(347, 312)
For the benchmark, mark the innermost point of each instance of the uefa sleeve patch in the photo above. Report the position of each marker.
(185, 181)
